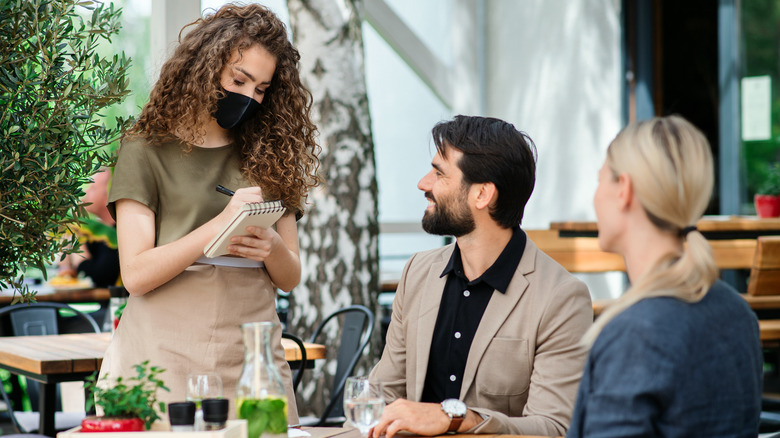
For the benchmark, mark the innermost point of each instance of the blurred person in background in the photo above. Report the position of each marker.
(98, 258)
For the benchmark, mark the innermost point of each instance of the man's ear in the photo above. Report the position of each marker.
(485, 194)
(625, 190)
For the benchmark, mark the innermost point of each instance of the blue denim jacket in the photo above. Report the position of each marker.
(666, 368)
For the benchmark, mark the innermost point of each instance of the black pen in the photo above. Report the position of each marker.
(225, 191)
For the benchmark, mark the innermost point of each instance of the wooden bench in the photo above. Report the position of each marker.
(763, 291)
(770, 330)
(765, 270)
(576, 254)
(582, 254)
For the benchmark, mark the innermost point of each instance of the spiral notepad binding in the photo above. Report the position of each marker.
(256, 214)
(265, 207)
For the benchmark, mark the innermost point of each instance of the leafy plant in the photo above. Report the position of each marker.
(132, 397)
(771, 184)
(266, 415)
(53, 85)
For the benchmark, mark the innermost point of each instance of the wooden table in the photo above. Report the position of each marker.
(96, 294)
(713, 227)
(69, 358)
(732, 238)
(350, 432)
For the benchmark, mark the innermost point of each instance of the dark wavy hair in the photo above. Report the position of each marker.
(278, 146)
(493, 151)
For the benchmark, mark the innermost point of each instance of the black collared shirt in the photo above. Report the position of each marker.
(462, 306)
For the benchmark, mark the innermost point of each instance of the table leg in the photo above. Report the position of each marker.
(46, 408)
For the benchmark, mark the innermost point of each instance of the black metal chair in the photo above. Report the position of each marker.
(25, 435)
(301, 364)
(356, 329)
(40, 319)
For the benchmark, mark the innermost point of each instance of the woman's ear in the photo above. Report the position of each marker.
(625, 190)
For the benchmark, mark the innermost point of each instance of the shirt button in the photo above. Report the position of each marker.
(453, 378)
(466, 293)
(457, 335)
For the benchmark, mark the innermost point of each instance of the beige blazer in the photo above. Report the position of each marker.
(525, 362)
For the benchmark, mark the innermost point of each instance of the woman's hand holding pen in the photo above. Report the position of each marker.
(259, 243)
(237, 200)
(276, 247)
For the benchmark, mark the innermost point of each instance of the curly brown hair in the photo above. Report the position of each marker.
(278, 146)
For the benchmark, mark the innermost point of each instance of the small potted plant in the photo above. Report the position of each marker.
(129, 405)
(767, 198)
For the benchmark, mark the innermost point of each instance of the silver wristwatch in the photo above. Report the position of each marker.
(456, 410)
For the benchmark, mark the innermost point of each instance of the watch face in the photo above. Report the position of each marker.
(454, 407)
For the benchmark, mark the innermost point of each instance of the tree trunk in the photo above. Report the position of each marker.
(339, 233)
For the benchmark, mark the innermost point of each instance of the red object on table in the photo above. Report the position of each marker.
(106, 424)
(767, 205)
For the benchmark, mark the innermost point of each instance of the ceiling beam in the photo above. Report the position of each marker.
(431, 70)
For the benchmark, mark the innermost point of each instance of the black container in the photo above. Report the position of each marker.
(215, 413)
(182, 416)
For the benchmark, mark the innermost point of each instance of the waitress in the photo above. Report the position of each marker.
(228, 109)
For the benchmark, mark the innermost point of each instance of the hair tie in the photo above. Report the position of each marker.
(684, 232)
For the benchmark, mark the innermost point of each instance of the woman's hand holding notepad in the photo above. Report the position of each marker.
(257, 214)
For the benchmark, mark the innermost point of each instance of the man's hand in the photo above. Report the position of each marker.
(415, 417)
(418, 418)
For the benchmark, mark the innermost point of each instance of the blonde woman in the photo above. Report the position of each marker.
(678, 355)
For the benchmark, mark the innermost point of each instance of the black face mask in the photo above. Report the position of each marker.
(234, 108)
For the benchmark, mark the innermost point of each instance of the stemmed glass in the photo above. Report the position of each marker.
(364, 402)
(199, 388)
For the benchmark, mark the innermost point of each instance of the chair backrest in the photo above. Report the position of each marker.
(356, 329)
(298, 375)
(41, 318)
(765, 273)
(34, 322)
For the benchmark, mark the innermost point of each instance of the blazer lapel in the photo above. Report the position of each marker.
(497, 311)
(430, 301)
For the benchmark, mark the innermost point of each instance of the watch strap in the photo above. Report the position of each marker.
(456, 410)
(454, 424)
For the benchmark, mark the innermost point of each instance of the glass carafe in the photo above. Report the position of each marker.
(260, 395)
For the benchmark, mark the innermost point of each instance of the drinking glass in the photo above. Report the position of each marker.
(201, 387)
(364, 402)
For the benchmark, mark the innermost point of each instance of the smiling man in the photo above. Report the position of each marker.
(485, 333)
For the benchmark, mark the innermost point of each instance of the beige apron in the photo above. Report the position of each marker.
(192, 325)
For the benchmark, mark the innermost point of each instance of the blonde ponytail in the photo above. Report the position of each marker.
(670, 164)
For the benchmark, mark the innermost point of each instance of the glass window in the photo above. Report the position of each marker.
(403, 111)
(759, 92)
(431, 21)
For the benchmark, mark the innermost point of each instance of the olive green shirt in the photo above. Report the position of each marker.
(178, 186)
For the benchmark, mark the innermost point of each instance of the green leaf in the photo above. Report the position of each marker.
(137, 399)
(50, 69)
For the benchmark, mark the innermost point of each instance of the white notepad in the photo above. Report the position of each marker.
(252, 214)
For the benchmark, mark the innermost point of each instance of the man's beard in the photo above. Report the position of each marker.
(450, 218)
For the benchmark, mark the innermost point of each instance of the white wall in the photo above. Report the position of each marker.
(403, 111)
(553, 69)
